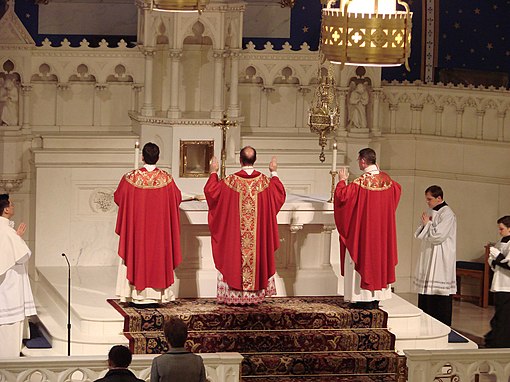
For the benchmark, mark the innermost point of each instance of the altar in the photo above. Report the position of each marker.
(303, 261)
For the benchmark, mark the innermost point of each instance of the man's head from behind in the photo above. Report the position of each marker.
(176, 332)
(119, 357)
(150, 153)
(366, 157)
(6, 209)
(247, 156)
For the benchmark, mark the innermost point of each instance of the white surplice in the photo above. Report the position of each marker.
(435, 274)
(16, 299)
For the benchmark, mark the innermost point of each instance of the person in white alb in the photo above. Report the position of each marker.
(16, 299)
(435, 279)
(499, 260)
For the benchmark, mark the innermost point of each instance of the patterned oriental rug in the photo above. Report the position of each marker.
(292, 338)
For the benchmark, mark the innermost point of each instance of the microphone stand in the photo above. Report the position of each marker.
(68, 305)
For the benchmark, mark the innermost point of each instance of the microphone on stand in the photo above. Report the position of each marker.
(68, 305)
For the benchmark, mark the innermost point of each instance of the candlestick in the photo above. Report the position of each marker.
(335, 151)
(137, 154)
(333, 176)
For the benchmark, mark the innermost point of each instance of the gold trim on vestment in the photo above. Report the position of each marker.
(248, 189)
(148, 179)
(374, 182)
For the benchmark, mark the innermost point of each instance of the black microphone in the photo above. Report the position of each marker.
(68, 305)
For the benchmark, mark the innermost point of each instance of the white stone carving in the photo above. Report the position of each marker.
(101, 200)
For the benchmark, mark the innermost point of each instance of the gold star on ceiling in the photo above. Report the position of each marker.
(490, 45)
(305, 29)
(456, 25)
(477, 11)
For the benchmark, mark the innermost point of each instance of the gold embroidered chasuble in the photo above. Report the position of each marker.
(248, 189)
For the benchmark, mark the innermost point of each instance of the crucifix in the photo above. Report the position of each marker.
(224, 125)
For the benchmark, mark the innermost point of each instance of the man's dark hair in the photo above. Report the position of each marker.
(368, 155)
(435, 191)
(4, 203)
(119, 356)
(150, 153)
(505, 220)
(248, 156)
(176, 332)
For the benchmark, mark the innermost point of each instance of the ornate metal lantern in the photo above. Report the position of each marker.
(324, 115)
(366, 32)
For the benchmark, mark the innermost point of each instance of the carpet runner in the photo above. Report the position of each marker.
(298, 339)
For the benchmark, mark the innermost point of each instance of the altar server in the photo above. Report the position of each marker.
(435, 279)
(499, 260)
(16, 299)
(244, 231)
(149, 230)
(365, 219)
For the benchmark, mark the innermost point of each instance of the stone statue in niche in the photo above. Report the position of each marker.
(9, 100)
(358, 100)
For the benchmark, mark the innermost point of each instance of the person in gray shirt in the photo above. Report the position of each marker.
(177, 364)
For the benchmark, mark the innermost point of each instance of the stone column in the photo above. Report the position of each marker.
(301, 113)
(479, 123)
(294, 259)
(416, 118)
(342, 96)
(135, 97)
(233, 107)
(393, 117)
(264, 105)
(327, 229)
(61, 88)
(217, 108)
(175, 59)
(439, 119)
(458, 123)
(376, 96)
(501, 125)
(25, 91)
(148, 107)
(96, 109)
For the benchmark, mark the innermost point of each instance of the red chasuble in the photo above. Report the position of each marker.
(244, 231)
(148, 226)
(365, 219)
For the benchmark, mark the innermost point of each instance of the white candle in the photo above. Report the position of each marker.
(137, 154)
(335, 150)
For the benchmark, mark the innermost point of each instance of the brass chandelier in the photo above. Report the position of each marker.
(178, 5)
(366, 32)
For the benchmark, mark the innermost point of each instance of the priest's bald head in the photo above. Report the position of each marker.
(150, 153)
(248, 156)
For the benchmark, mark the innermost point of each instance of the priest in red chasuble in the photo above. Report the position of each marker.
(365, 218)
(244, 231)
(149, 230)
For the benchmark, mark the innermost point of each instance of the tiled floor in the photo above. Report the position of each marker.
(471, 320)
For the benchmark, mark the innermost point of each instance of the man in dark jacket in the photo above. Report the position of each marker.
(119, 358)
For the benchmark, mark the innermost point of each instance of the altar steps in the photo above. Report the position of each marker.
(285, 339)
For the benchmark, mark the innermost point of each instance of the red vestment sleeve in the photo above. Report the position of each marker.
(226, 213)
(149, 228)
(366, 223)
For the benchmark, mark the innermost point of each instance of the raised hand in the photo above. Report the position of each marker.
(214, 165)
(343, 173)
(273, 165)
(21, 229)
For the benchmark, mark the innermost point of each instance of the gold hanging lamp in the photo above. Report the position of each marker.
(178, 5)
(324, 114)
(367, 33)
